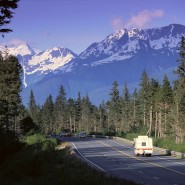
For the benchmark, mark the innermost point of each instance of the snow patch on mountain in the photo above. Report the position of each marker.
(132, 46)
(164, 42)
(50, 60)
(117, 35)
(22, 49)
(111, 59)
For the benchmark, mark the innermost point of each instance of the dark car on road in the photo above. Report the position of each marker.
(65, 133)
(82, 135)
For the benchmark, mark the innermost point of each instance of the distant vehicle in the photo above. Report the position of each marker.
(62, 134)
(143, 145)
(51, 135)
(82, 135)
(65, 134)
(68, 134)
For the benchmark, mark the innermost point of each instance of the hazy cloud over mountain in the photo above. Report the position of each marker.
(140, 20)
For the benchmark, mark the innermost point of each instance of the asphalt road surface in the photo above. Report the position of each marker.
(118, 159)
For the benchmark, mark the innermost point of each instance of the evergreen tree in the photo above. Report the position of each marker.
(135, 112)
(166, 89)
(153, 89)
(144, 94)
(34, 110)
(78, 105)
(167, 100)
(125, 108)
(179, 99)
(60, 111)
(95, 126)
(114, 107)
(103, 117)
(6, 13)
(10, 100)
(86, 114)
(27, 125)
(181, 64)
(47, 116)
(10, 85)
(71, 114)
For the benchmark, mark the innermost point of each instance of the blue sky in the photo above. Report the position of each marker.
(76, 24)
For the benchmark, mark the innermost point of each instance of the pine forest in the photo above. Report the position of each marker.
(158, 109)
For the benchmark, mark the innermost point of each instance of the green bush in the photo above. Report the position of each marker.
(49, 144)
(169, 144)
(33, 139)
(38, 142)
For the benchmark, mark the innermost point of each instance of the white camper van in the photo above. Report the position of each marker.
(143, 145)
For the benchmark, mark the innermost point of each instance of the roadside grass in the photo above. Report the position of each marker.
(42, 162)
(169, 144)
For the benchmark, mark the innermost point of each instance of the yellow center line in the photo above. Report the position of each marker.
(181, 173)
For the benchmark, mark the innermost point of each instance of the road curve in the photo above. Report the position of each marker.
(118, 159)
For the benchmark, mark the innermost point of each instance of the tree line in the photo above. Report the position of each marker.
(157, 108)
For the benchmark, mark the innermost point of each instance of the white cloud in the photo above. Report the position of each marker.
(140, 20)
(117, 23)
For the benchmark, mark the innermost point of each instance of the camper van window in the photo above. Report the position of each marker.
(143, 143)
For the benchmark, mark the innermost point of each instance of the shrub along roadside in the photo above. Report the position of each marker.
(167, 143)
(39, 163)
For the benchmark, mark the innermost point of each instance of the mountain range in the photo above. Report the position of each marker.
(121, 56)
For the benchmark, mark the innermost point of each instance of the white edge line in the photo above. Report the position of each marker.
(88, 160)
(179, 163)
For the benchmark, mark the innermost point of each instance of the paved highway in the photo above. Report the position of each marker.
(118, 159)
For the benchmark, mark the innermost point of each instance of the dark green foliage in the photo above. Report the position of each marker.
(37, 165)
(33, 108)
(181, 61)
(155, 107)
(102, 116)
(114, 93)
(86, 114)
(180, 83)
(10, 103)
(166, 91)
(60, 110)
(27, 125)
(144, 84)
(9, 144)
(47, 116)
(6, 14)
(10, 84)
(169, 144)
(114, 109)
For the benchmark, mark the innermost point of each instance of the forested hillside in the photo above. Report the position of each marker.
(157, 108)
(28, 155)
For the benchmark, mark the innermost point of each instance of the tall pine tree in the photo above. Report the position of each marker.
(47, 116)
(10, 85)
(60, 110)
(179, 99)
(114, 107)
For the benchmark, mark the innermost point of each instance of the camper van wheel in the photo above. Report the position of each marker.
(149, 155)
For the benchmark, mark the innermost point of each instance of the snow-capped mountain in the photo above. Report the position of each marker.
(49, 60)
(125, 44)
(36, 64)
(121, 56)
(19, 49)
